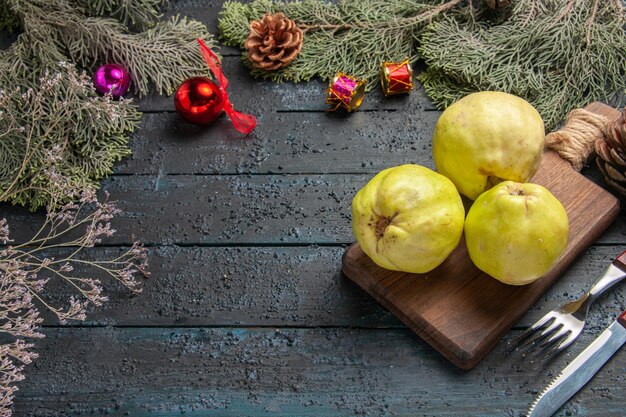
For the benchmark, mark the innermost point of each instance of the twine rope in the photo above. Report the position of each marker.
(575, 140)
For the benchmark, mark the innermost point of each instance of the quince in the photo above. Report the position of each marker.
(408, 218)
(486, 138)
(516, 232)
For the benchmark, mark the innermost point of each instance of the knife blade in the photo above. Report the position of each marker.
(575, 375)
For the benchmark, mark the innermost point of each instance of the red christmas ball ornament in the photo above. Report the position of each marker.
(199, 100)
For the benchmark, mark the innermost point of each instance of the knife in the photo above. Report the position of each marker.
(581, 370)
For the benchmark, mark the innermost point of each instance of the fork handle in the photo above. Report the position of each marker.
(613, 274)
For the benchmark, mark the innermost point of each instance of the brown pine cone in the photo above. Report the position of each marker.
(273, 42)
(611, 151)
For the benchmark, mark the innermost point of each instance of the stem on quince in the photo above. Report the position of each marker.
(516, 190)
(381, 226)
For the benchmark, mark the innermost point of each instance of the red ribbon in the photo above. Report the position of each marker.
(244, 123)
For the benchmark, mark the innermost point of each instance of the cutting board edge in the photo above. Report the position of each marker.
(468, 358)
(605, 221)
(458, 356)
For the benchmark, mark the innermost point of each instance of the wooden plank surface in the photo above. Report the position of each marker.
(283, 143)
(285, 373)
(232, 210)
(250, 95)
(284, 333)
(283, 286)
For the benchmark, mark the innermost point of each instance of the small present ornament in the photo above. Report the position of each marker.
(345, 91)
(396, 77)
(112, 79)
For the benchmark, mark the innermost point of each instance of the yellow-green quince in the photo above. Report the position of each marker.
(408, 218)
(516, 232)
(486, 138)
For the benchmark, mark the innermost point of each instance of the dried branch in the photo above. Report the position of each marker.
(26, 268)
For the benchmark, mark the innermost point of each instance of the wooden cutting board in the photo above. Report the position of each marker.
(460, 310)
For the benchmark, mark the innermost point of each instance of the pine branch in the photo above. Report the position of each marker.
(59, 30)
(139, 15)
(351, 36)
(9, 21)
(558, 55)
(393, 24)
(40, 111)
(64, 113)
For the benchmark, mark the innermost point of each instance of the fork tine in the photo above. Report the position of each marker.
(540, 336)
(544, 321)
(539, 324)
(569, 339)
(555, 339)
(557, 342)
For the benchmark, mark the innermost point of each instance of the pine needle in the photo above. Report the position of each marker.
(48, 105)
(558, 55)
(59, 30)
(138, 15)
(354, 37)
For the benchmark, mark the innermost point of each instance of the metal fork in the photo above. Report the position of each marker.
(561, 326)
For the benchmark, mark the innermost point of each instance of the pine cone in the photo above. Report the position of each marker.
(273, 42)
(611, 151)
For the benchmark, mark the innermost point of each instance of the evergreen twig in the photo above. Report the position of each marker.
(40, 111)
(62, 30)
(61, 110)
(558, 55)
(350, 36)
(136, 14)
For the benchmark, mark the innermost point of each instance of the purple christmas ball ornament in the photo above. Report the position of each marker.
(111, 78)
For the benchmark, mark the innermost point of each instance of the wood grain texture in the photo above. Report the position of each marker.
(286, 373)
(232, 210)
(282, 143)
(283, 286)
(460, 310)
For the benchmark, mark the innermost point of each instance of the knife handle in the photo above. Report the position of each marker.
(616, 272)
(620, 261)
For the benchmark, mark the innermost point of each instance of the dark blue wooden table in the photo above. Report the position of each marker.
(247, 312)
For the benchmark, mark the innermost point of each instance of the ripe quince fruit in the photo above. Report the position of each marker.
(408, 218)
(516, 232)
(486, 138)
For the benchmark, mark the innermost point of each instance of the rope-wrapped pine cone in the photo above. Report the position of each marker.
(611, 154)
(575, 141)
(273, 42)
